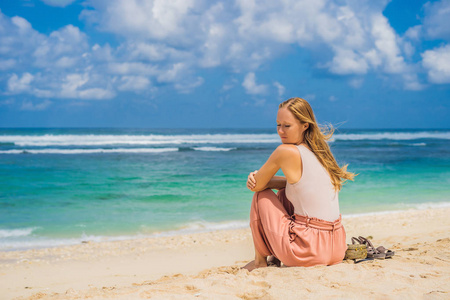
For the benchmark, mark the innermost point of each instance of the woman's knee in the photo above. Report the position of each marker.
(263, 199)
(264, 194)
(258, 197)
(267, 193)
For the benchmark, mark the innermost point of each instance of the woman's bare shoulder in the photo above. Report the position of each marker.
(287, 150)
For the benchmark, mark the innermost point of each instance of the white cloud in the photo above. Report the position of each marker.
(134, 83)
(217, 34)
(347, 61)
(95, 93)
(411, 82)
(437, 62)
(51, 65)
(66, 62)
(251, 87)
(73, 86)
(156, 19)
(63, 48)
(17, 39)
(23, 25)
(387, 46)
(408, 49)
(58, 3)
(358, 35)
(153, 52)
(246, 35)
(28, 105)
(132, 68)
(173, 73)
(165, 43)
(280, 88)
(229, 84)
(186, 86)
(436, 23)
(18, 84)
(101, 54)
(62, 64)
(43, 93)
(72, 83)
(77, 86)
(414, 33)
(373, 58)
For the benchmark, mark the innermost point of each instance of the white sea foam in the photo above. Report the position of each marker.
(44, 242)
(402, 207)
(422, 206)
(115, 150)
(20, 232)
(212, 149)
(202, 226)
(35, 242)
(399, 136)
(88, 151)
(153, 139)
(99, 140)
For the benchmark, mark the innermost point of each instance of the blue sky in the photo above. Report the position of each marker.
(223, 64)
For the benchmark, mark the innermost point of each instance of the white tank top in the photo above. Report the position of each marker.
(313, 195)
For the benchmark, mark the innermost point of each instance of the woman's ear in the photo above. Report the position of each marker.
(305, 126)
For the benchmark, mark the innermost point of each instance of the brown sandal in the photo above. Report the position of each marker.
(388, 253)
(372, 252)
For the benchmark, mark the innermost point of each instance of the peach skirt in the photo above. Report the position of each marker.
(295, 240)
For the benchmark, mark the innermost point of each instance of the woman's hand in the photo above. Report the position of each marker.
(251, 180)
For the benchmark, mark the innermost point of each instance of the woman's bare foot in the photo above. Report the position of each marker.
(273, 261)
(253, 265)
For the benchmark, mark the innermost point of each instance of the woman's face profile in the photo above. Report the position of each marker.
(289, 127)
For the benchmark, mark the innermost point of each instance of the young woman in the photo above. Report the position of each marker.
(301, 224)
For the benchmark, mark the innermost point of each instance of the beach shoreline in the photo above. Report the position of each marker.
(207, 265)
(187, 229)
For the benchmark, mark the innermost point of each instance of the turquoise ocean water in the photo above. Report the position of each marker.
(64, 186)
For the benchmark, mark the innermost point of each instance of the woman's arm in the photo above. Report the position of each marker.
(276, 183)
(285, 157)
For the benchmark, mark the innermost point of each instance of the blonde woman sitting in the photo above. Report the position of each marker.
(301, 224)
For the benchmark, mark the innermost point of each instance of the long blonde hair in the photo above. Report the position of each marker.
(316, 137)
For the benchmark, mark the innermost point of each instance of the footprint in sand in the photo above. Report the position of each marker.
(260, 294)
(191, 288)
(436, 295)
(428, 275)
(263, 284)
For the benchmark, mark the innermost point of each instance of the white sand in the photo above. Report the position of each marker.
(207, 266)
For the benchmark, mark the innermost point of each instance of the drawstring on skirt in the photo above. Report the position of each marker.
(313, 223)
